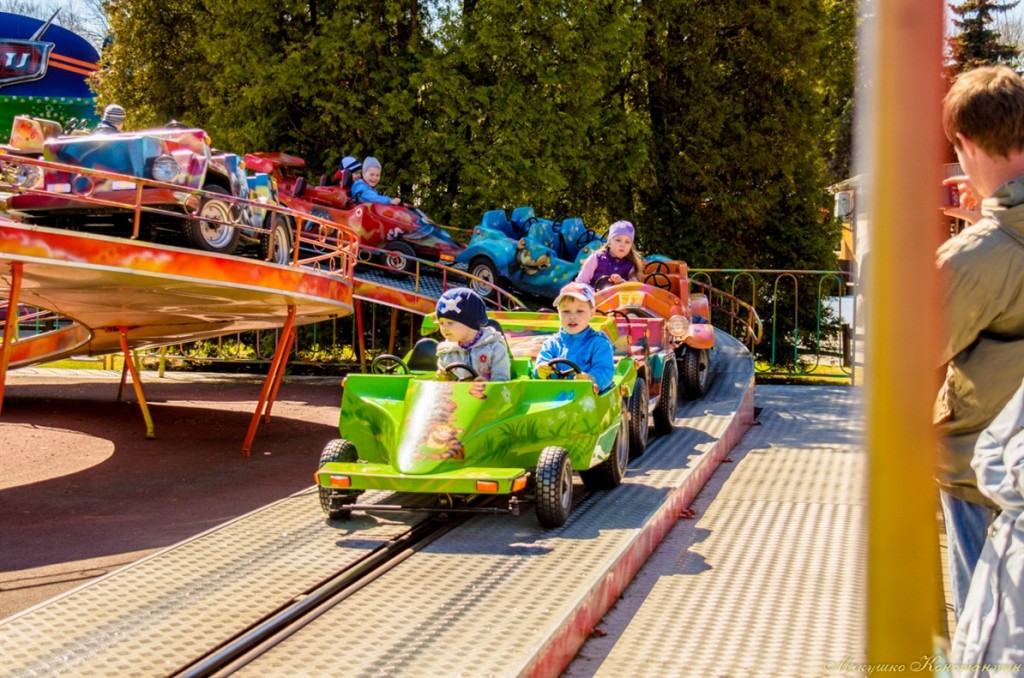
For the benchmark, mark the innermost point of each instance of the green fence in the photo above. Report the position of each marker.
(798, 324)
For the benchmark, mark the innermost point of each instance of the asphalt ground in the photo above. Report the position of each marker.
(83, 491)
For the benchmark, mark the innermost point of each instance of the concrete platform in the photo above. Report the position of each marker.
(768, 578)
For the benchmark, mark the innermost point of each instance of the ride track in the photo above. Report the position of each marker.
(281, 591)
(121, 294)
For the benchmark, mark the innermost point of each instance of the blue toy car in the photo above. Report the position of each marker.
(526, 253)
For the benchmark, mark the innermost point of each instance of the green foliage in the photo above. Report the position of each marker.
(714, 125)
(533, 104)
(978, 43)
(737, 105)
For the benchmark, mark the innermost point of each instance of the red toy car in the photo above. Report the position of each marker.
(399, 230)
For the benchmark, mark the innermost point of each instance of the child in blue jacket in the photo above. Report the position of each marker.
(365, 187)
(577, 342)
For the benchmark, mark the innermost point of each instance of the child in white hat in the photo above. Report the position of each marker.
(577, 341)
(365, 188)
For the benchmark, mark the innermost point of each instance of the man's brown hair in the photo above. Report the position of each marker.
(986, 105)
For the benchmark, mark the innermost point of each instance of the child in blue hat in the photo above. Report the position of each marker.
(462, 317)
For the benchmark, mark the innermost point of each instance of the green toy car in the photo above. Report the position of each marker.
(521, 440)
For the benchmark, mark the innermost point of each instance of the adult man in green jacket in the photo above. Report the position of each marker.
(983, 116)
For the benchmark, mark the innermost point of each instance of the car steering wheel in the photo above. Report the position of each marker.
(450, 369)
(521, 230)
(571, 368)
(659, 280)
(659, 267)
(585, 238)
(386, 363)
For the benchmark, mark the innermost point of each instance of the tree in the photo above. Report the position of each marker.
(978, 43)
(153, 65)
(736, 106)
(533, 104)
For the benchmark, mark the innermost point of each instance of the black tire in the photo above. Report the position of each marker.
(212, 236)
(610, 472)
(639, 411)
(665, 412)
(483, 268)
(696, 370)
(398, 256)
(276, 244)
(554, 487)
(334, 502)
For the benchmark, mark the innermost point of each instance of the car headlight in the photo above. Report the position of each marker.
(165, 168)
(678, 326)
(28, 176)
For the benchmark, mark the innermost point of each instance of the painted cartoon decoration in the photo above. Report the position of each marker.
(44, 71)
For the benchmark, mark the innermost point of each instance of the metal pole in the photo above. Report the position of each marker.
(903, 150)
(10, 326)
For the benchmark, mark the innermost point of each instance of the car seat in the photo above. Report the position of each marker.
(520, 216)
(497, 220)
(541, 233)
(423, 357)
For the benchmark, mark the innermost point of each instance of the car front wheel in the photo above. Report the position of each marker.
(482, 268)
(695, 373)
(665, 412)
(276, 244)
(213, 232)
(639, 403)
(554, 487)
(334, 502)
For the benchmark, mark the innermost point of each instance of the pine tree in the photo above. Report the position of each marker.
(978, 42)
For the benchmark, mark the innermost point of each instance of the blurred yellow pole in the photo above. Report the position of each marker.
(904, 153)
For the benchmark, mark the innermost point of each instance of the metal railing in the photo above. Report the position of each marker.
(822, 346)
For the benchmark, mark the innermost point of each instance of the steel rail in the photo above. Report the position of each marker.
(246, 645)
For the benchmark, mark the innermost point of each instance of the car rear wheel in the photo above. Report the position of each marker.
(610, 472)
(276, 244)
(694, 379)
(639, 403)
(217, 234)
(482, 268)
(334, 502)
(554, 487)
(398, 256)
(665, 412)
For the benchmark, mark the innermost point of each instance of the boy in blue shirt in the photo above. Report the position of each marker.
(365, 187)
(577, 342)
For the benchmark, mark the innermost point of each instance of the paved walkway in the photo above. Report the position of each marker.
(768, 578)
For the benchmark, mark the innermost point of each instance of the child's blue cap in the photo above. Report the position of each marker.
(621, 228)
(351, 164)
(463, 305)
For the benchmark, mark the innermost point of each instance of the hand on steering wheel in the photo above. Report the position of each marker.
(571, 369)
(386, 363)
(472, 374)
